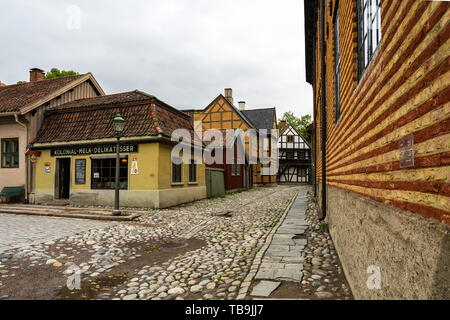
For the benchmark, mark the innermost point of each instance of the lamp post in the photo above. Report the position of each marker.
(119, 124)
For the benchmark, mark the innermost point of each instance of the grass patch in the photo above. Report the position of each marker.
(152, 248)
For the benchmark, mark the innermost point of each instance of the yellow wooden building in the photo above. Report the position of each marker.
(221, 114)
(76, 146)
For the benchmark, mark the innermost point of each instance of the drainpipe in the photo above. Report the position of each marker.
(323, 115)
(16, 117)
(313, 137)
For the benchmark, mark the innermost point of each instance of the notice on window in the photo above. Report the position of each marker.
(134, 166)
(96, 175)
(80, 171)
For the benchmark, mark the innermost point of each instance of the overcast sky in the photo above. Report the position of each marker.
(185, 52)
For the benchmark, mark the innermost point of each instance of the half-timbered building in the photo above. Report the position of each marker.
(221, 114)
(294, 154)
(264, 120)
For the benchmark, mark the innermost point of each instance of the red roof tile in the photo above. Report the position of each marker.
(16, 96)
(90, 119)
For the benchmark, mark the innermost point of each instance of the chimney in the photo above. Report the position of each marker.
(229, 95)
(242, 105)
(282, 124)
(36, 74)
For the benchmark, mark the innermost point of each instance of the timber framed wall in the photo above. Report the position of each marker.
(403, 95)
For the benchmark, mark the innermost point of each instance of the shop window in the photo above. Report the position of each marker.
(103, 173)
(192, 171)
(176, 173)
(10, 153)
(369, 32)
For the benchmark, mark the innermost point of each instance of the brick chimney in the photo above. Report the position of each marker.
(36, 74)
(229, 95)
(242, 105)
(282, 124)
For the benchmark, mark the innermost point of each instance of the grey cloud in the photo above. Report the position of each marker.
(183, 51)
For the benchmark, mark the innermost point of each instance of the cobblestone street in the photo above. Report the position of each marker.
(199, 250)
(21, 230)
(203, 250)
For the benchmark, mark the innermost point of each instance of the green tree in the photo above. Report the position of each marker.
(300, 124)
(56, 73)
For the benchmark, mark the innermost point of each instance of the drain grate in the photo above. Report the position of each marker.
(299, 236)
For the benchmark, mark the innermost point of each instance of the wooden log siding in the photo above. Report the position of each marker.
(404, 90)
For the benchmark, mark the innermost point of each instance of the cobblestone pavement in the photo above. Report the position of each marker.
(221, 235)
(22, 230)
(300, 261)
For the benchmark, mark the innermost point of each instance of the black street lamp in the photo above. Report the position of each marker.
(119, 124)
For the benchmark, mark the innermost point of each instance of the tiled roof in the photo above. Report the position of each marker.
(261, 118)
(16, 96)
(124, 97)
(91, 119)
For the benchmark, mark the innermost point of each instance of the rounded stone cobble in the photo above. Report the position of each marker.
(217, 269)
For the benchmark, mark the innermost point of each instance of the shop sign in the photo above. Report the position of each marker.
(87, 150)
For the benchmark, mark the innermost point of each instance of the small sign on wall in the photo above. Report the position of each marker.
(406, 145)
(134, 166)
(80, 171)
(47, 167)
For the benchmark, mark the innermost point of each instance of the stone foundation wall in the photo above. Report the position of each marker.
(128, 198)
(411, 252)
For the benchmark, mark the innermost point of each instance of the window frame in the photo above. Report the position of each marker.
(193, 164)
(9, 154)
(290, 137)
(173, 173)
(364, 15)
(112, 169)
(337, 66)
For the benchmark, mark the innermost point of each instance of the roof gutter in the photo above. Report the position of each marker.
(8, 114)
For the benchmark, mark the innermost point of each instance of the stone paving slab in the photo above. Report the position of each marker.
(21, 230)
(289, 265)
(264, 288)
(294, 275)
